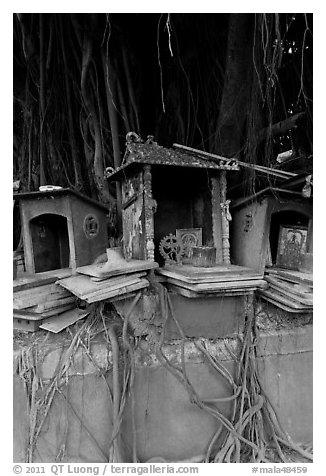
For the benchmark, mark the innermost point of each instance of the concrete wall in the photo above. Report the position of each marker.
(213, 317)
(167, 424)
(286, 372)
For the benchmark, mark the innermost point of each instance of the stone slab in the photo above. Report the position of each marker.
(104, 270)
(219, 273)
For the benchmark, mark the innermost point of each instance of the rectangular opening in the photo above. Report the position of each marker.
(49, 233)
(183, 197)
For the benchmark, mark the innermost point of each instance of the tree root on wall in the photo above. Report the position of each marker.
(253, 432)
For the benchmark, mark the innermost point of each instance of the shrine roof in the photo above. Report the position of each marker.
(149, 152)
(38, 195)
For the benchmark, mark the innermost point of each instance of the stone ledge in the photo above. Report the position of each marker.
(285, 341)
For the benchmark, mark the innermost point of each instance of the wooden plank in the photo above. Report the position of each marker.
(293, 292)
(211, 279)
(114, 294)
(58, 273)
(81, 285)
(283, 306)
(26, 300)
(59, 309)
(52, 287)
(294, 297)
(219, 269)
(298, 277)
(33, 316)
(45, 276)
(58, 323)
(40, 279)
(29, 313)
(212, 287)
(31, 282)
(126, 282)
(291, 281)
(222, 292)
(103, 270)
(303, 288)
(283, 300)
(221, 273)
(299, 289)
(143, 283)
(101, 281)
(295, 276)
(54, 304)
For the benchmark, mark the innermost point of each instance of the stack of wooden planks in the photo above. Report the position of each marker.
(191, 281)
(36, 298)
(103, 281)
(289, 290)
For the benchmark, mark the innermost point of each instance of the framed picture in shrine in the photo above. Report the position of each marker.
(292, 244)
(189, 237)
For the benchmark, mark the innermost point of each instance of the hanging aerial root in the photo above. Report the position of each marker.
(252, 432)
(253, 428)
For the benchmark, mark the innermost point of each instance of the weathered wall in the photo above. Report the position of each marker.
(85, 411)
(87, 249)
(79, 426)
(250, 238)
(285, 366)
(211, 317)
(167, 424)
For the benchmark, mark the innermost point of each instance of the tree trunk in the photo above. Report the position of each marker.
(72, 138)
(42, 103)
(98, 167)
(234, 103)
(110, 90)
